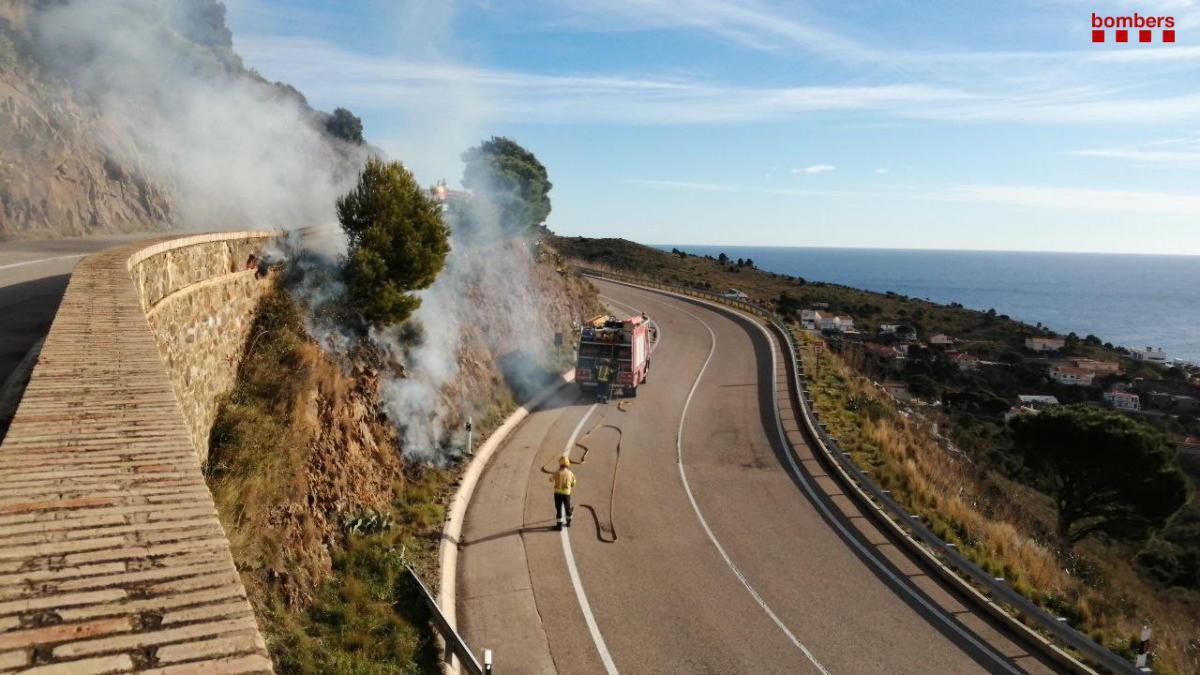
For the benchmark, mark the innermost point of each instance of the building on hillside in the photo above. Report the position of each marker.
(1123, 400)
(444, 196)
(826, 321)
(1098, 367)
(888, 328)
(1150, 354)
(941, 340)
(1045, 344)
(1075, 377)
(964, 361)
(1030, 404)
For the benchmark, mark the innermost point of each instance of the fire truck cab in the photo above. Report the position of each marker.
(621, 345)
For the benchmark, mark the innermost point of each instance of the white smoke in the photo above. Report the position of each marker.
(176, 103)
(239, 153)
(486, 294)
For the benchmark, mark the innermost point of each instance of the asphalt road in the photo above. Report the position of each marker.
(695, 547)
(33, 277)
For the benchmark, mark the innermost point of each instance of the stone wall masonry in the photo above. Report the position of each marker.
(112, 558)
(200, 298)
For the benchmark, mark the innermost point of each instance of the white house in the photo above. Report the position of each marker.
(888, 328)
(826, 320)
(1044, 344)
(1123, 400)
(1075, 377)
(1151, 354)
(941, 339)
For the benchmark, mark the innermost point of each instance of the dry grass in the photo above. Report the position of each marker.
(298, 450)
(999, 524)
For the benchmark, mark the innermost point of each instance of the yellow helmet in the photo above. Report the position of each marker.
(563, 461)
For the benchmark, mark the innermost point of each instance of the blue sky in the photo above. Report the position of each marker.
(878, 123)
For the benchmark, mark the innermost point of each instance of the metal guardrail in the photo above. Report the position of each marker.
(455, 645)
(1057, 628)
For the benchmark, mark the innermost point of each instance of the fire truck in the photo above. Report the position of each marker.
(620, 345)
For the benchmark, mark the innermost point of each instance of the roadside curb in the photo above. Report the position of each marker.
(457, 510)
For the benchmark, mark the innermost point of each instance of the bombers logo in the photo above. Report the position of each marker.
(1144, 25)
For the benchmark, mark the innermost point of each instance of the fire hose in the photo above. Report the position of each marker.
(612, 495)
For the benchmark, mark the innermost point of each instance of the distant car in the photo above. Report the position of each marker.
(735, 294)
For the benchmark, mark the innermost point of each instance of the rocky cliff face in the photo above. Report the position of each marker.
(55, 177)
(129, 115)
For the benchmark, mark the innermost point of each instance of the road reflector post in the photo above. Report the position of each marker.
(1143, 651)
(487, 661)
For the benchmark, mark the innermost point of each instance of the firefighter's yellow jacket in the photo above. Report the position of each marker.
(563, 481)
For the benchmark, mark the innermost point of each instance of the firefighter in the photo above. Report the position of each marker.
(603, 380)
(564, 481)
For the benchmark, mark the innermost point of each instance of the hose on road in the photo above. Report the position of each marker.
(601, 529)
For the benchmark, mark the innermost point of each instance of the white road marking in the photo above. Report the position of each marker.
(847, 536)
(40, 260)
(584, 605)
(953, 625)
(704, 523)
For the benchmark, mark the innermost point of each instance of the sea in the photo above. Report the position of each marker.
(1128, 300)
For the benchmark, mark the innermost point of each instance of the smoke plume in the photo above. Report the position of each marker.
(233, 150)
(238, 152)
(484, 301)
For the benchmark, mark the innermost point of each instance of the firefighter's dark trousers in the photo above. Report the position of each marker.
(563, 508)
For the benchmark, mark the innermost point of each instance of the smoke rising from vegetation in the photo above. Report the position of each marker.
(234, 150)
(484, 296)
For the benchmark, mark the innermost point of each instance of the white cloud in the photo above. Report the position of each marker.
(696, 186)
(1071, 199)
(1080, 199)
(334, 76)
(883, 171)
(1172, 153)
(749, 23)
(815, 168)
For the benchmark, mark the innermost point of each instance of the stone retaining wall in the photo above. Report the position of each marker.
(112, 558)
(200, 298)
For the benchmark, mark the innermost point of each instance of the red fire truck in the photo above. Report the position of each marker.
(617, 348)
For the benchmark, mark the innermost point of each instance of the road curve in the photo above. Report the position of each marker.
(33, 278)
(694, 547)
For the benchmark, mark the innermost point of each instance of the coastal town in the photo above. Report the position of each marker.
(1045, 370)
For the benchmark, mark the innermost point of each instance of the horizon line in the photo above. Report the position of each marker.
(915, 249)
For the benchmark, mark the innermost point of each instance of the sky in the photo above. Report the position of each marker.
(944, 124)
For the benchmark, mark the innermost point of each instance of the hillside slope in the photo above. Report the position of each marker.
(125, 115)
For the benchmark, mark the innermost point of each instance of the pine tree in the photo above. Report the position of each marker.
(397, 242)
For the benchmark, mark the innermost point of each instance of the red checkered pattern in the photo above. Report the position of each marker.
(1122, 35)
